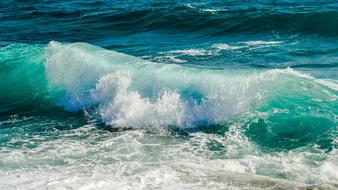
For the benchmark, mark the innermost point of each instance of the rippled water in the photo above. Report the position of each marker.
(168, 94)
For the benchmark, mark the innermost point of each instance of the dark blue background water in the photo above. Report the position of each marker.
(308, 29)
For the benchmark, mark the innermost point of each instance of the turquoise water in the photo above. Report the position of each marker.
(168, 95)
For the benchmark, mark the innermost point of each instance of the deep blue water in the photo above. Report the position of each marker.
(308, 30)
(165, 94)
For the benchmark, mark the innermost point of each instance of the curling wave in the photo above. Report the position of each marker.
(131, 92)
(126, 91)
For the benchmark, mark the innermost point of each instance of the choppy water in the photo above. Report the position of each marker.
(168, 94)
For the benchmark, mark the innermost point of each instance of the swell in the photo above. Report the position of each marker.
(125, 20)
(185, 19)
(315, 66)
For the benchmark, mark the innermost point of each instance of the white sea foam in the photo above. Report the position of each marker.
(122, 108)
(328, 83)
(223, 46)
(261, 42)
(210, 10)
(215, 49)
(130, 160)
(205, 9)
(173, 58)
(191, 52)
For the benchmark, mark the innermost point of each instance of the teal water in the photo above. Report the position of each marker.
(168, 95)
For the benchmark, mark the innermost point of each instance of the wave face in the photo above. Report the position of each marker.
(147, 94)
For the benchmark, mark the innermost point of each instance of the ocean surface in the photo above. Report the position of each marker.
(168, 94)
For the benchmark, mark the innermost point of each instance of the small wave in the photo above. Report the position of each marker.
(319, 65)
(196, 21)
(186, 19)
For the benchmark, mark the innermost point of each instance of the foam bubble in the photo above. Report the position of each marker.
(191, 52)
(261, 42)
(224, 46)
